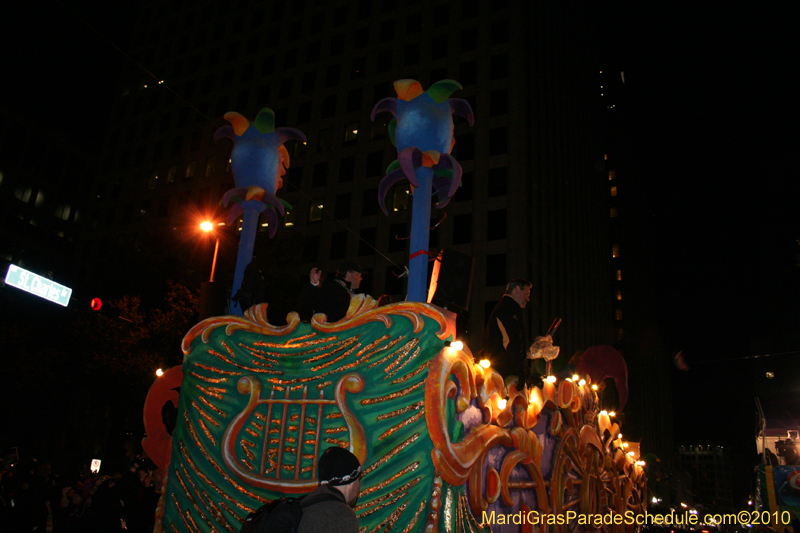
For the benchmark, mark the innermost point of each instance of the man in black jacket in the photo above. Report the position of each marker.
(332, 296)
(504, 340)
(329, 509)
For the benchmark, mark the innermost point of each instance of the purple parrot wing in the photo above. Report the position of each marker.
(273, 200)
(223, 131)
(461, 107)
(386, 184)
(285, 134)
(235, 212)
(387, 104)
(409, 158)
(448, 161)
(236, 191)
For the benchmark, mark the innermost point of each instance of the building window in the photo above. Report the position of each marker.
(309, 82)
(498, 141)
(332, 75)
(311, 249)
(190, 168)
(358, 69)
(465, 191)
(619, 275)
(612, 174)
(171, 173)
(62, 212)
(618, 314)
(328, 106)
(354, 100)
(152, 181)
(462, 229)
(619, 294)
(497, 182)
(614, 190)
(615, 250)
(465, 146)
(351, 133)
(411, 55)
(496, 270)
(304, 113)
(469, 40)
(369, 205)
(342, 209)
(338, 245)
(498, 103)
(324, 140)
(211, 165)
(347, 168)
(366, 245)
(320, 175)
(614, 212)
(289, 219)
(375, 164)
(619, 334)
(497, 225)
(315, 213)
(401, 197)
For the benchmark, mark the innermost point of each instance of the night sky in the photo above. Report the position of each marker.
(714, 115)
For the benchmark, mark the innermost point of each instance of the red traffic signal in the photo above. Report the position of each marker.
(96, 304)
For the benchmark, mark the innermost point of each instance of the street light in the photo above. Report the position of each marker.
(207, 227)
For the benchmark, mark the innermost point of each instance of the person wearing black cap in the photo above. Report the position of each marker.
(339, 474)
(331, 297)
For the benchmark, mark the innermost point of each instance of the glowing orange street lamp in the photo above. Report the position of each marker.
(207, 227)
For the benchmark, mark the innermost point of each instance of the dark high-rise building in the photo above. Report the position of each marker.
(534, 198)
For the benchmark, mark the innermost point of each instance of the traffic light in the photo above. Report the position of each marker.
(97, 304)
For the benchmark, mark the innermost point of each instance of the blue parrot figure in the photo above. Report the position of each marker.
(422, 132)
(258, 162)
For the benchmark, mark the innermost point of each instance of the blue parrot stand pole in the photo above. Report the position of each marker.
(247, 240)
(420, 236)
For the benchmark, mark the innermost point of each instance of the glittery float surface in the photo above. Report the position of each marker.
(439, 446)
(259, 404)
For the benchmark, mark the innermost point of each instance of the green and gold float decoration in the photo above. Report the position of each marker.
(445, 445)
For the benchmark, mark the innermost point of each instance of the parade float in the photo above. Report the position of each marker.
(446, 445)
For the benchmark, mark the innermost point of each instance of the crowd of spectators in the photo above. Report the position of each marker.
(33, 498)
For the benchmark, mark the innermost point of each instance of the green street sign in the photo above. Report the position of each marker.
(38, 285)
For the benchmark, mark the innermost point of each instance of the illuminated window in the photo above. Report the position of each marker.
(401, 196)
(315, 213)
(190, 166)
(619, 275)
(23, 193)
(618, 314)
(612, 174)
(615, 250)
(39, 199)
(605, 157)
(351, 133)
(171, 173)
(614, 212)
(619, 295)
(62, 212)
(288, 220)
(614, 191)
(619, 334)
